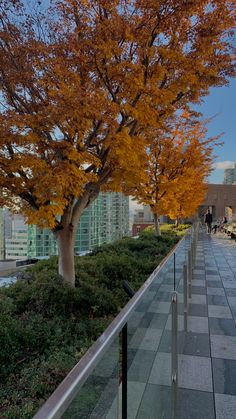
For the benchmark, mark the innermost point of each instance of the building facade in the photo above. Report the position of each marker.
(230, 176)
(221, 200)
(16, 239)
(143, 217)
(106, 220)
(2, 235)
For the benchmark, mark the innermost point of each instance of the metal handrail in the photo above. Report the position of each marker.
(61, 398)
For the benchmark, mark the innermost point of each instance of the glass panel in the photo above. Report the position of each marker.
(149, 350)
(98, 397)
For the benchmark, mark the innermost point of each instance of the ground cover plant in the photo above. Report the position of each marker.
(46, 325)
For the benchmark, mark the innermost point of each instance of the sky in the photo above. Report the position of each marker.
(222, 102)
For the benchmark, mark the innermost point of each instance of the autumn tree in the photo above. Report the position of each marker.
(177, 164)
(184, 202)
(83, 85)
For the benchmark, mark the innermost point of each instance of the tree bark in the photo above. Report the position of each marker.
(157, 226)
(66, 263)
(65, 234)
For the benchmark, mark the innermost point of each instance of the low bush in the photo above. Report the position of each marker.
(45, 326)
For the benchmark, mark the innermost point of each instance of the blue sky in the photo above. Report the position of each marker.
(222, 101)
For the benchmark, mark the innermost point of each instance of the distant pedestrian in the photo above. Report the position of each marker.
(208, 221)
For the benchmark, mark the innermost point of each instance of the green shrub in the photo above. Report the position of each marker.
(46, 326)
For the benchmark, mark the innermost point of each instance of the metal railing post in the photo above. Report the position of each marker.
(174, 352)
(189, 274)
(124, 371)
(185, 298)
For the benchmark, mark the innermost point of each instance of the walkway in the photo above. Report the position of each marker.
(207, 360)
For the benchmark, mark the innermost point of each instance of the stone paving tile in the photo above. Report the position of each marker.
(141, 366)
(199, 282)
(163, 296)
(156, 402)
(197, 309)
(232, 304)
(230, 292)
(135, 319)
(137, 338)
(195, 372)
(212, 272)
(215, 291)
(198, 324)
(199, 271)
(229, 284)
(198, 299)
(217, 300)
(223, 346)
(158, 320)
(224, 372)
(189, 402)
(145, 321)
(151, 339)
(167, 288)
(180, 323)
(134, 395)
(161, 369)
(225, 406)
(213, 277)
(219, 312)
(159, 307)
(214, 284)
(188, 343)
(222, 326)
(198, 290)
(143, 306)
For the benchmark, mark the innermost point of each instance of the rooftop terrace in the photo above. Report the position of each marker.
(205, 385)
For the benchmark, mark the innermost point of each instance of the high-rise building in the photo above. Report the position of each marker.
(106, 220)
(230, 175)
(16, 243)
(40, 242)
(2, 235)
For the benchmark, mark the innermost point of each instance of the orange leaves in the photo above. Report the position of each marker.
(176, 166)
(88, 90)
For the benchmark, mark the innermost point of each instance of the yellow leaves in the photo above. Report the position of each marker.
(176, 165)
(100, 92)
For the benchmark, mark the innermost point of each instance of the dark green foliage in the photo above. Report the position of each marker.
(46, 326)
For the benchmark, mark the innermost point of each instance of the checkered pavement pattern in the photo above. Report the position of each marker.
(207, 351)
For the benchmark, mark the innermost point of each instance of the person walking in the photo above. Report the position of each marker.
(208, 221)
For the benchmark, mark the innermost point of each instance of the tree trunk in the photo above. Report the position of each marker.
(176, 222)
(157, 226)
(66, 264)
(65, 234)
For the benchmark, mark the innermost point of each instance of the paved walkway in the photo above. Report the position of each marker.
(207, 353)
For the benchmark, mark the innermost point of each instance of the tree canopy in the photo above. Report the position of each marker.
(176, 168)
(84, 86)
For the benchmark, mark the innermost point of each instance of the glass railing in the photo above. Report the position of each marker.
(132, 369)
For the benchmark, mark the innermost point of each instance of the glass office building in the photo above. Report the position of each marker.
(105, 220)
(230, 176)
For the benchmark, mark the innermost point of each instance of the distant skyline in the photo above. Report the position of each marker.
(222, 103)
